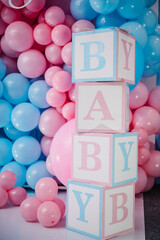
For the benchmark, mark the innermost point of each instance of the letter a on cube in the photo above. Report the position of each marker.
(100, 212)
(103, 55)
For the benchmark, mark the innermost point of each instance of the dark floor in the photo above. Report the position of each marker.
(152, 213)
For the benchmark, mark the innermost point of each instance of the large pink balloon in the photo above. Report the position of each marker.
(154, 98)
(61, 151)
(152, 167)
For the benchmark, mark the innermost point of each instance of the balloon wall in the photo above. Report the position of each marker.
(37, 96)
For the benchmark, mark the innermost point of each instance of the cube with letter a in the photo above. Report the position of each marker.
(106, 159)
(100, 212)
(103, 55)
(102, 107)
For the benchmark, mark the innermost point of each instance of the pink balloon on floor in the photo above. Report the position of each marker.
(61, 205)
(154, 98)
(143, 155)
(142, 136)
(55, 99)
(141, 182)
(152, 167)
(82, 26)
(7, 180)
(29, 208)
(150, 184)
(62, 81)
(17, 195)
(54, 16)
(50, 72)
(3, 197)
(67, 54)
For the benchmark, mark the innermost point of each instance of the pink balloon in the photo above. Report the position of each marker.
(19, 36)
(29, 208)
(16, 3)
(130, 116)
(138, 96)
(61, 205)
(54, 98)
(61, 160)
(147, 145)
(42, 34)
(1, 5)
(142, 136)
(10, 15)
(143, 155)
(147, 118)
(61, 35)
(69, 20)
(50, 73)
(3, 26)
(31, 63)
(82, 26)
(141, 182)
(53, 54)
(49, 166)
(150, 184)
(152, 167)
(62, 81)
(29, 14)
(50, 121)
(72, 93)
(7, 50)
(41, 17)
(68, 110)
(45, 145)
(154, 98)
(10, 63)
(17, 195)
(3, 197)
(67, 54)
(7, 180)
(35, 5)
(54, 16)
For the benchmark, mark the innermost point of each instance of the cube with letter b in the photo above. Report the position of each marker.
(103, 55)
(100, 212)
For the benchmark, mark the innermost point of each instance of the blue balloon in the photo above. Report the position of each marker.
(19, 170)
(5, 151)
(37, 93)
(67, 68)
(152, 50)
(150, 71)
(3, 69)
(15, 88)
(138, 31)
(148, 19)
(81, 9)
(5, 112)
(157, 30)
(26, 150)
(131, 8)
(109, 20)
(13, 133)
(149, 3)
(1, 89)
(35, 172)
(25, 116)
(103, 6)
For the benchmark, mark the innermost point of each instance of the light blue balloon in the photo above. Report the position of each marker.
(35, 172)
(109, 20)
(5, 113)
(3, 69)
(67, 68)
(25, 116)
(26, 150)
(149, 3)
(150, 71)
(37, 93)
(131, 8)
(157, 30)
(15, 88)
(19, 170)
(13, 133)
(103, 6)
(148, 19)
(81, 9)
(5, 151)
(152, 50)
(138, 31)
(1, 89)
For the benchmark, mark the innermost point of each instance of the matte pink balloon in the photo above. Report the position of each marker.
(143, 155)
(41, 17)
(68, 110)
(54, 98)
(138, 96)
(147, 118)
(142, 136)
(3, 26)
(19, 36)
(152, 167)
(130, 116)
(50, 121)
(45, 145)
(72, 93)
(49, 166)
(29, 208)
(61, 35)
(42, 34)
(59, 109)
(147, 145)
(61, 205)
(54, 16)
(50, 72)
(31, 63)
(29, 14)
(82, 26)
(62, 81)
(16, 3)
(3, 197)
(35, 5)
(154, 98)
(67, 54)
(61, 160)
(141, 182)
(10, 63)
(150, 184)
(10, 15)
(7, 180)
(17, 195)
(69, 20)
(53, 54)
(7, 50)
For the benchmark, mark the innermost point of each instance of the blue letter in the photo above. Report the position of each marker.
(88, 55)
(82, 206)
(125, 154)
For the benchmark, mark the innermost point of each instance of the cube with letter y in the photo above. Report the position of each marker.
(103, 55)
(100, 212)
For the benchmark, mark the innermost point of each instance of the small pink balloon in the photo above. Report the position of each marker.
(16, 3)
(50, 72)
(141, 182)
(7, 50)
(147, 145)
(68, 110)
(41, 18)
(17, 195)
(45, 145)
(59, 109)
(154, 98)
(150, 184)
(42, 34)
(10, 63)
(143, 155)
(138, 96)
(29, 208)
(61, 35)
(53, 54)
(19, 36)
(7, 180)
(69, 20)
(49, 166)
(67, 54)
(29, 14)
(142, 136)
(10, 15)
(31, 63)
(72, 93)
(36, 5)
(47, 125)
(152, 167)
(54, 16)
(62, 81)
(82, 26)
(130, 116)
(54, 98)
(147, 118)
(3, 197)
(61, 205)
(3, 26)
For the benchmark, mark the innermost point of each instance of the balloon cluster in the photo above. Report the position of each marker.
(45, 207)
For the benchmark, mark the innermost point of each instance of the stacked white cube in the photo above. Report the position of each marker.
(100, 194)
